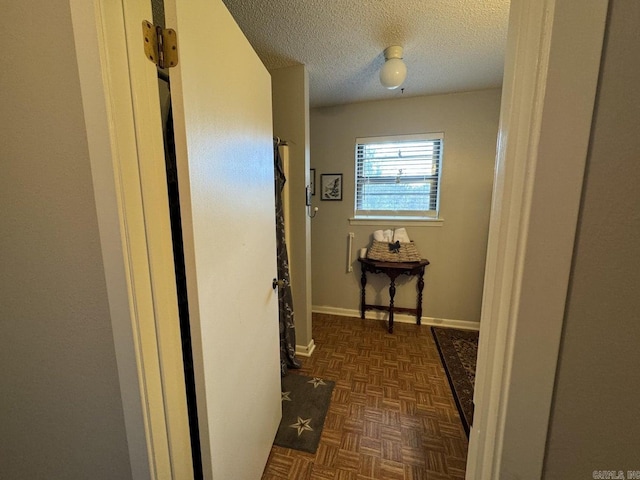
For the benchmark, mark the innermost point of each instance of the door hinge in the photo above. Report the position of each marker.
(160, 44)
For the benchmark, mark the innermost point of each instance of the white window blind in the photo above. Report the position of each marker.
(398, 175)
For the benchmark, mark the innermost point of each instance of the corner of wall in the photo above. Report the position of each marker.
(290, 99)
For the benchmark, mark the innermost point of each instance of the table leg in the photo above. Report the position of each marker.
(363, 284)
(392, 293)
(420, 288)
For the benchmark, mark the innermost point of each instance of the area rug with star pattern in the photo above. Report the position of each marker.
(305, 401)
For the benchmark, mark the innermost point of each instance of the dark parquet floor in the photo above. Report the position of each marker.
(392, 415)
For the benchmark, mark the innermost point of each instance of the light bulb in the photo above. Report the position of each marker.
(393, 73)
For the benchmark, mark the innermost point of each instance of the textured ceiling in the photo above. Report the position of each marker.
(449, 45)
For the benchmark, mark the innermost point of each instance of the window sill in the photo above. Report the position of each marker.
(398, 221)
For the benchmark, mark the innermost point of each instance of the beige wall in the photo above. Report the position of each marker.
(60, 407)
(290, 88)
(595, 413)
(456, 250)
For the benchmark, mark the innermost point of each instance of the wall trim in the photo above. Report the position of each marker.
(306, 351)
(553, 48)
(98, 27)
(410, 222)
(397, 318)
(143, 316)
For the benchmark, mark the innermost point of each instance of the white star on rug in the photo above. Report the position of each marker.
(302, 425)
(316, 381)
(285, 397)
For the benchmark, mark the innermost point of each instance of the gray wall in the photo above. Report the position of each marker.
(456, 250)
(595, 413)
(290, 97)
(60, 408)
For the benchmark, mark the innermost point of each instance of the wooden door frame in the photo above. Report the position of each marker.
(516, 293)
(126, 152)
(551, 74)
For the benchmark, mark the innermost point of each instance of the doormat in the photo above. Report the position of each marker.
(305, 401)
(458, 351)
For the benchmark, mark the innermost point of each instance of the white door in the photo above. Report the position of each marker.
(221, 95)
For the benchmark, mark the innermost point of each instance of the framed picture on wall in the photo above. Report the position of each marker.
(331, 186)
(312, 181)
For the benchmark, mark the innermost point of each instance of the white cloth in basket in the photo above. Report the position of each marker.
(383, 236)
(400, 235)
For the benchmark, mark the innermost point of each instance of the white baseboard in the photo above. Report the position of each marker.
(397, 317)
(306, 351)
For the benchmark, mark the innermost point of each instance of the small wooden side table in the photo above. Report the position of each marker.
(393, 270)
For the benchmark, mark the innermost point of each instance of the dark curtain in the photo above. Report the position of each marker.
(285, 301)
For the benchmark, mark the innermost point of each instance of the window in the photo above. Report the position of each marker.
(398, 176)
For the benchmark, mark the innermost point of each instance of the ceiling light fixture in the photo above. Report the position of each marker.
(394, 71)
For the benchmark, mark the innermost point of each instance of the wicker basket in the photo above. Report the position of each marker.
(389, 252)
